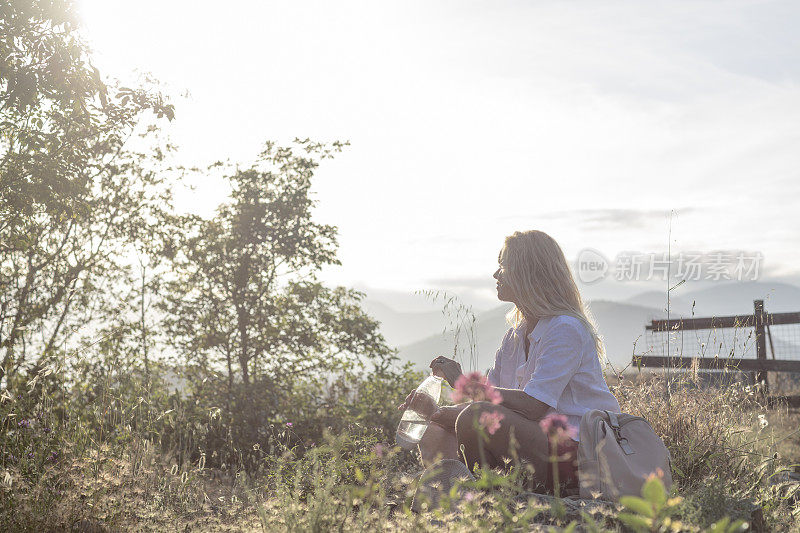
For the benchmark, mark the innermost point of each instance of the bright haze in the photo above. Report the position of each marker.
(592, 121)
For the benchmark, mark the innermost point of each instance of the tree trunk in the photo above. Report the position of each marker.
(243, 345)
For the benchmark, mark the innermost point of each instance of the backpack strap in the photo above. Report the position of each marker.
(615, 427)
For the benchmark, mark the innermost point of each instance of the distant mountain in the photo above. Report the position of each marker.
(737, 298)
(489, 328)
(724, 298)
(622, 327)
(620, 324)
(401, 328)
(658, 300)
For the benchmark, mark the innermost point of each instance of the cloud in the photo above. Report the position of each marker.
(461, 114)
(605, 219)
(780, 272)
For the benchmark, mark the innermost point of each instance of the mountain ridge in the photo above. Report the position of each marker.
(620, 322)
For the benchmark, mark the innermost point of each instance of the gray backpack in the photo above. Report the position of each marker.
(616, 454)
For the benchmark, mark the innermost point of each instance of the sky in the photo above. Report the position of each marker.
(616, 126)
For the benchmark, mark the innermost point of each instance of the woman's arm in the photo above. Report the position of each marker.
(523, 403)
(446, 415)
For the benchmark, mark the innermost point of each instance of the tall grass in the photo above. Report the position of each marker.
(119, 455)
(723, 446)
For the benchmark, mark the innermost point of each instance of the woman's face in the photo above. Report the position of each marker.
(504, 293)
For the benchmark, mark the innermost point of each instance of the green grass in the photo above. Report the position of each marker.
(59, 472)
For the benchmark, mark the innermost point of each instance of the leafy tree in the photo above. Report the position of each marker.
(245, 300)
(72, 192)
(240, 303)
(263, 342)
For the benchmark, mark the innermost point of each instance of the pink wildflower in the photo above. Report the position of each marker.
(288, 424)
(476, 387)
(470, 496)
(378, 450)
(555, 425)
(490, 421)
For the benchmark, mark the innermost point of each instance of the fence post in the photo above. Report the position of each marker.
(761, 341)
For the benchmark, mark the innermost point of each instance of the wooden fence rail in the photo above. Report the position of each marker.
(760, 320)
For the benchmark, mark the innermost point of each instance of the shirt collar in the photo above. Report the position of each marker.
(538, 329)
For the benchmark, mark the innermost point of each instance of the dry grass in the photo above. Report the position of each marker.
(725, 446)
(726, 443)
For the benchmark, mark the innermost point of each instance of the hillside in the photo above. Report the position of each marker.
(622, 323)
(401, 328)
(489, 329)
(619, 323)
(725, 298)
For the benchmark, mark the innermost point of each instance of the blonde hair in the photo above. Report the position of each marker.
(535, 269)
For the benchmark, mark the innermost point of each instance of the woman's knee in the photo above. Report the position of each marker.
(467, 419)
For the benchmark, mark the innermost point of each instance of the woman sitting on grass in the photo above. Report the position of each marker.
(548, 362)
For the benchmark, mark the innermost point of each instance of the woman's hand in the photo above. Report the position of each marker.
(421, 403)
(447, 369)
(403, 406)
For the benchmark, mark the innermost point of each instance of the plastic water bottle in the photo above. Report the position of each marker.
(417, 416)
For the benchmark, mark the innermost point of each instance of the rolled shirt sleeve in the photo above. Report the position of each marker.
(560, 359)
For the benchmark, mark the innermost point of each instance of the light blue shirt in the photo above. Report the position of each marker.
(562, 368)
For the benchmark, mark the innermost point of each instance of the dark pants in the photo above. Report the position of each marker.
(518, 436)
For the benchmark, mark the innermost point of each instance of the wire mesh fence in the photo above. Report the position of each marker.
(760, 344)
(782, 342)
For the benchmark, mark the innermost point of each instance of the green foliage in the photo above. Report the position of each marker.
(73, 196)
(112, 441)
(655, 511)
(264, 342)
(726, 525)
(244, 294)
(254, 396)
